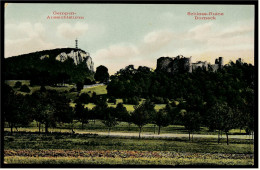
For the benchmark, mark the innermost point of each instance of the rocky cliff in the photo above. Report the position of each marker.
(78, 57)
(51, 64)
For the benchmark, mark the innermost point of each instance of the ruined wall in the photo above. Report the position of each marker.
(182, 64)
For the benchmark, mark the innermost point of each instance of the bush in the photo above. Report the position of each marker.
(99, 99)
(84, 98)
(88, 82)
(132, 100)
(43, 89)
(18, 84)
(112, 100)
(25, 89)
(159, 100)
(9, 138)
(80, 86)
(73, 89)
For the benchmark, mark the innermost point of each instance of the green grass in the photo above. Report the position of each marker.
(60, 148)
(126, 161)
(99, 90)
(94, 142)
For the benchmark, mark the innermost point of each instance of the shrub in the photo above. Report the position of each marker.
(25, 89)
(18, 84)
(43, 89)
(73, 89)
(159, 100)
(112, 100)
(84, 98)
(132, 100)
(80, 86)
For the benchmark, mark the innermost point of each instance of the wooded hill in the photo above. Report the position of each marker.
(47, 70)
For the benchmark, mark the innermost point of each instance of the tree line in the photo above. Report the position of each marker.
(221, 101)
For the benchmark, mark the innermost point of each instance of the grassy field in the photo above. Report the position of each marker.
(99, 90)
(130, 161)
(61, 148)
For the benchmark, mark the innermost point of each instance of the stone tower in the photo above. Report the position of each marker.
(220, 63)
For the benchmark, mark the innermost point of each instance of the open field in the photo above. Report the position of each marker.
(62, 148)
(99, 90)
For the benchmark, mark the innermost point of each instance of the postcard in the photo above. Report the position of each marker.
(127, 84)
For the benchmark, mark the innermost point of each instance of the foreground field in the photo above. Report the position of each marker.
(65, 148)
(130, 161)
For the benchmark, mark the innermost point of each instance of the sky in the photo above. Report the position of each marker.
(117, 35)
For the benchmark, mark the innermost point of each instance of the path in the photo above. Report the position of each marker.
(152, 135)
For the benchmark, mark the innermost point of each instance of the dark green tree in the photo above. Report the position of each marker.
(191, 122)
(142, 115)
(101, 74)
(18, 84)
(79, 86)
(161, 119)
(16, 108)
(25, 89)
(109, 118)
(81, 114)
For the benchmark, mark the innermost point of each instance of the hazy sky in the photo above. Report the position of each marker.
(117, 35)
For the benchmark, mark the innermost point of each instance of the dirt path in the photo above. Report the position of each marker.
(170, 135)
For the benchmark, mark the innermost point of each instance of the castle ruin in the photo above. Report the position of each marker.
(182, 64)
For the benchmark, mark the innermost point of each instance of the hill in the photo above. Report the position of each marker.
(50, 66)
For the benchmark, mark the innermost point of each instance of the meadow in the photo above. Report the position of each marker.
(62, 148)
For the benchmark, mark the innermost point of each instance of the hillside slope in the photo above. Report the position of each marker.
(50, 66)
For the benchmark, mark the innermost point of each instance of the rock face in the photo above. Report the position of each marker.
(78, 57)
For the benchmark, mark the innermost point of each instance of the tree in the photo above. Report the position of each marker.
(121, 112)
(51, 107)
(43, 89)
(16, 108)
(81, 113)
(112, 100)
(18, 84)
(83, 98)
(161, 119)
(142, 115)
(101, 74)
(25, 89)
(79, 86)
(222, 118)
(63, 111)
(99, 109)
(215, 119)
(109, 118)
(229, 120)
(191, 121)
(87, 81)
